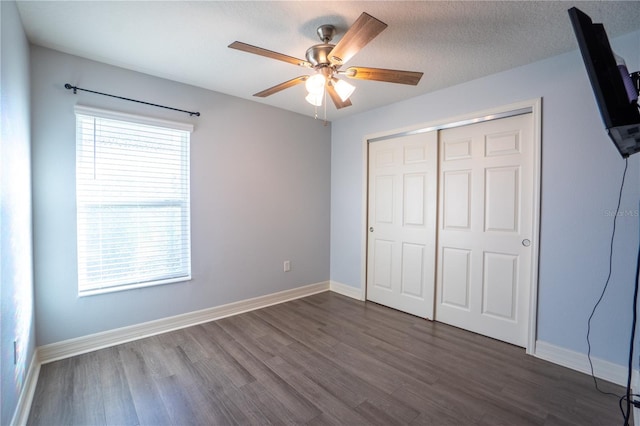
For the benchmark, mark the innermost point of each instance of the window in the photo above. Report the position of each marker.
(132, 191)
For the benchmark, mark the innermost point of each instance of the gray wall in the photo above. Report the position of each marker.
(16, 276)
(260, 182)
(581, 172)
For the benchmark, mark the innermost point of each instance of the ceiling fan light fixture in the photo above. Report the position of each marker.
(344, 89)
(314, 99)
(315, 84)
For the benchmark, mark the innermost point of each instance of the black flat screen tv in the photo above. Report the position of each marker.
(619, 113)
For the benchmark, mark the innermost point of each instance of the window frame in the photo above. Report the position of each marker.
(133, 119)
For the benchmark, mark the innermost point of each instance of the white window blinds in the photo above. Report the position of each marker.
(132, 190)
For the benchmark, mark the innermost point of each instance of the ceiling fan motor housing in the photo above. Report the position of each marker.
(318, 55)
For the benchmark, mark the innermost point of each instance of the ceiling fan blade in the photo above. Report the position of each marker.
(380, 74)
(339, 103)
(365, 29)
(269, 54)
(277, 88)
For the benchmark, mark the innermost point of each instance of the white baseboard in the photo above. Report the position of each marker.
(602, 369)
(92, 342)
(346, 290)
(21, 415)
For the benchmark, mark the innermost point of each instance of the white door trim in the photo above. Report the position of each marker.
(533, 106)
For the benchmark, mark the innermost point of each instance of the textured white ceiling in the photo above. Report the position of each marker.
(186, 41)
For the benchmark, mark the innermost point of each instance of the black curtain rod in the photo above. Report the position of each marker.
(75, 89)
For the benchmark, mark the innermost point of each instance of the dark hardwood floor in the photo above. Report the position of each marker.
(324, 359)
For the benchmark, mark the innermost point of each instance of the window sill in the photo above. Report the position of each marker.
(106, 290)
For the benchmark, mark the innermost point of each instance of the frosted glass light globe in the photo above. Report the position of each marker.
(315, 84)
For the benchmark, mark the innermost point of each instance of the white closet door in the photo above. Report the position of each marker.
(402, 223)
(485, 227)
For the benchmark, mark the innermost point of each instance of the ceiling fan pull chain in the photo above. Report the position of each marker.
(325, 106)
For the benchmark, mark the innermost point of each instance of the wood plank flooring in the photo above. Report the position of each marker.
(324, 359)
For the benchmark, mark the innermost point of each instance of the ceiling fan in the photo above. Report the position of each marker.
(326, 60)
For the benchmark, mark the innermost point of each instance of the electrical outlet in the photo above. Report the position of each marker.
(287, 265)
